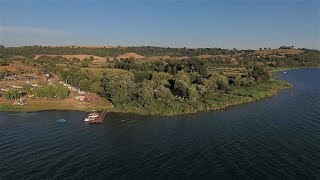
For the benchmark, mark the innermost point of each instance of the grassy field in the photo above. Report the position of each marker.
(67, 104)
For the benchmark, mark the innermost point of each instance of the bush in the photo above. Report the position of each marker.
(12, 94)
(141, 76)
(221, 81)
(50, 92)
(161, 78)
(163, 93)
(259, 74)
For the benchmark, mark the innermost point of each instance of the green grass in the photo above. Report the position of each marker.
(261, 90)
(230, 71)
(44, 105)
(278, 69)
(8, 107)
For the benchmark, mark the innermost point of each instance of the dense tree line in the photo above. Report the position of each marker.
(169, 66)
(149, 90)
(245, 58)
(30, 51)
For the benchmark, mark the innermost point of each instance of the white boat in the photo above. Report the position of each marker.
(91, 116)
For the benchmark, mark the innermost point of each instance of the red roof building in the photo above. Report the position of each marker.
(89, 97)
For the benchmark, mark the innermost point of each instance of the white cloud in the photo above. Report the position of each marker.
(34, 30)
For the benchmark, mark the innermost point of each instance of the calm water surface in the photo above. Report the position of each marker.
(275, 138)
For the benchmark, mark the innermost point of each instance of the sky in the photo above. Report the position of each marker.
(241, 24)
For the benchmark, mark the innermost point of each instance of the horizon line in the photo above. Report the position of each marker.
(118, 46)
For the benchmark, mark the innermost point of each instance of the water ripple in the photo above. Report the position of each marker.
(275, 138)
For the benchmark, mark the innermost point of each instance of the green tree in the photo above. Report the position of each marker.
(85, 84)
(183, 76)
(196, 78)
(141, 76)
(181, 88)
(119, 89)
(192, 92)
(161, 78)
(259, 74)
(220, 80)
(145, 94)
(96, 87)
(162, 92)
(86, 62)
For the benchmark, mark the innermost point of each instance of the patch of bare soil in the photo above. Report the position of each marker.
(181, 57)
(156, 58)
(279, 51)
(17, 66)
(78, 46)
(70, 57)
(130, 55)
(212, 56)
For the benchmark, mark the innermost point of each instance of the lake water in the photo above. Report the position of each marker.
(278, 138)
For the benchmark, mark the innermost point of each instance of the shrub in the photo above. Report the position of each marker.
(12, 94)
(50, 92)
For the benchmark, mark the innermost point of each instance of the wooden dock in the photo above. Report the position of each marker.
(99, 119)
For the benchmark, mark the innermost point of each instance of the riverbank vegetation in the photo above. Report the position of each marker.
(186, 92)
(162, 81)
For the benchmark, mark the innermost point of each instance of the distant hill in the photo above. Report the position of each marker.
(130, 55)
(153, 53)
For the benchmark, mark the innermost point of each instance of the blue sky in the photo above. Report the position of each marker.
(175, 23)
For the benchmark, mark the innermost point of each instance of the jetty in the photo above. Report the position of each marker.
(99, 119)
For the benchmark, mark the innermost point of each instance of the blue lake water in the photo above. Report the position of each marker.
(275, 138)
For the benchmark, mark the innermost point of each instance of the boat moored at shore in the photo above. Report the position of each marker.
(95, 118)
(91, 116)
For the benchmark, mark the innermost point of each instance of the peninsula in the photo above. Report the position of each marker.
(144, 80)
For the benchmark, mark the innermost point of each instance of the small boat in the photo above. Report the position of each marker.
(285, 72)
(91, 116)
(61, 120)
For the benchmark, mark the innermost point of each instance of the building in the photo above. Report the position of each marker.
(89, 97)
(81, 98)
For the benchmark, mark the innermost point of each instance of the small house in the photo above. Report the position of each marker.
(89, 97)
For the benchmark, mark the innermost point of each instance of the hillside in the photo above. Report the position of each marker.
(130, 55)
(70, 57)
(280, 53)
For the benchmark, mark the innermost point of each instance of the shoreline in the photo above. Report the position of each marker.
(245, 101)
(277, 70)
(272, 91)
(241, 100)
